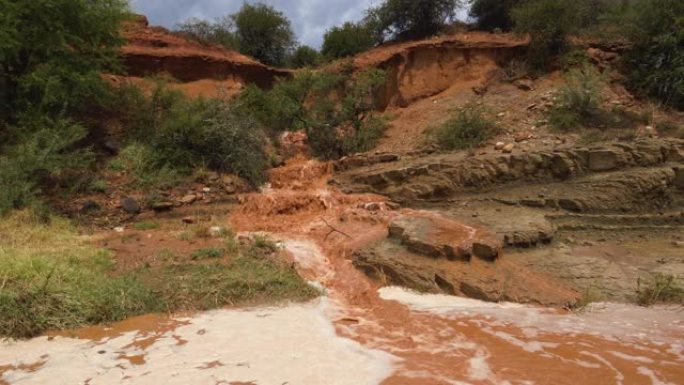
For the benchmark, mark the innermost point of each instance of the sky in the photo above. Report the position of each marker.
(310, 18)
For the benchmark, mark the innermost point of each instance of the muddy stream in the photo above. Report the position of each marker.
(357, 332)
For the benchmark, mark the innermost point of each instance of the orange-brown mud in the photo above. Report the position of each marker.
(320, 226)
(412, 338)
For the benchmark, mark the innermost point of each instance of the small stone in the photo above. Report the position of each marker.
(507, 149)
(188, 220)
(90, 206)
(113, 146)
(499, 146)
(532, 106)
(189, 199)
(119, 229)
(216, 231)
(206, 190)
(162, 206)
(130, 205)
(524, 84)
(678, 244)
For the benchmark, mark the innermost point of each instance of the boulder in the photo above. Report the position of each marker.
(486, 250)
(679, 178)
(603, 160)
(189, 199)
(130, 205)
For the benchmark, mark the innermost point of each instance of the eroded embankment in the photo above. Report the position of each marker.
(152, 51)
(420, 69)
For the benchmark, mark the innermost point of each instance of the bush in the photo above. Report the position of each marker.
(52, 65)
(336, 111)
(214, 134)
(548, 23)
(656, 62)
(468, 128)
(44, 154)
(411, 19)
(347, 40)
(493, 14)
(169, 135)
(304, 56)
(220, 32)
(263, 33)
(578, 100)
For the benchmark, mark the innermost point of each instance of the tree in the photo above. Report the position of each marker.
(411, 19)
(263, 33)
(548, 23)
(493, 14)
(347, 40)
(220, 32)
(304, 56)
(53, 51)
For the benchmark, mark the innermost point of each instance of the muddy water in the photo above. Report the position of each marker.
(357, 333)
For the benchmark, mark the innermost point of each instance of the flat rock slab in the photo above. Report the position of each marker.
(435, 236)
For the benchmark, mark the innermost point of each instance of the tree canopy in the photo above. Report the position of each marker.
(264, 33)
(411, 19)
(347, 40)
(53, 51)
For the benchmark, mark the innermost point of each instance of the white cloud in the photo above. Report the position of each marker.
(310, 18)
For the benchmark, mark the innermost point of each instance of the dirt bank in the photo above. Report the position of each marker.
(198, 70)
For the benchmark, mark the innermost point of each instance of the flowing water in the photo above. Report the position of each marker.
(357, 333)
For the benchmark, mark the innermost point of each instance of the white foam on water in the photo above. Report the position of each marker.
(607, 320)
(295, 344)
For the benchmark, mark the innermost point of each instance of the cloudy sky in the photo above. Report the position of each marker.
(310, 18)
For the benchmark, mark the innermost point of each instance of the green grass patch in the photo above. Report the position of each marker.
(146, 225)
(52, 278)
(208, 253)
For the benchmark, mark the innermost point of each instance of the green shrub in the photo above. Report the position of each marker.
(214, 134)
(347, 40)
(336, 111)
(52, 65)
(468, 128)
(304, 56)
(578, 100)
(44, 154)
(548, 23)
(656, 62)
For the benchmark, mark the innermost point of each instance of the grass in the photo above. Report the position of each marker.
(661, 289)
(52, 278)
(146, 225)
(208, 253)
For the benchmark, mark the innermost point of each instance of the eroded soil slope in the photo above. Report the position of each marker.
(197, 69)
